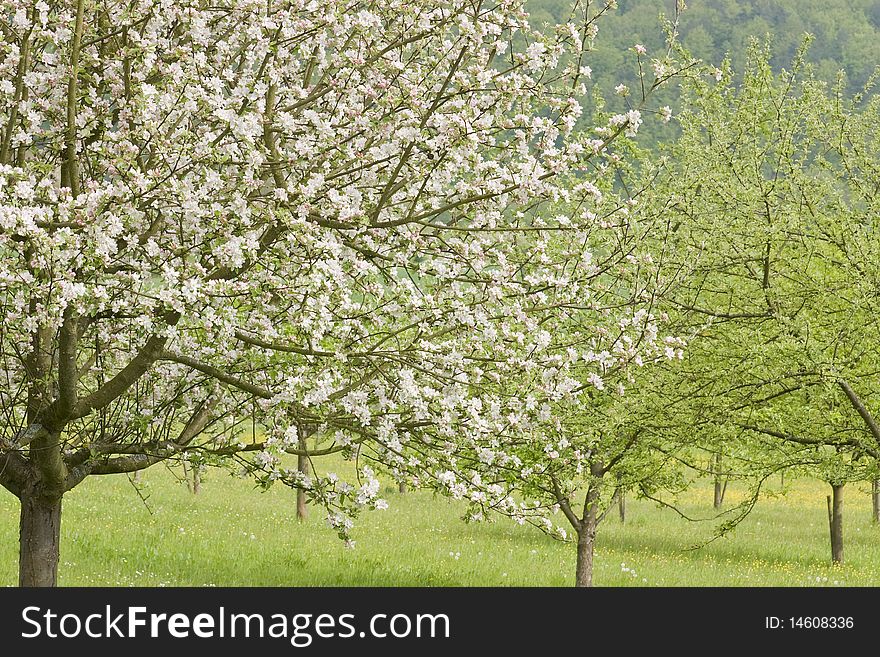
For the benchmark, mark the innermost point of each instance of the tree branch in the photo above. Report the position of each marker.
(217, 374)
(70, 168)
(58, 412)
(861, 409)
(45, 453)
(126, 377)
(274, 346)
(20, 91)
(13, 472)
(622, 453)
(802, 440)
(565, 505)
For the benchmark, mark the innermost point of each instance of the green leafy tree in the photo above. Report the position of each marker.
(774, 182)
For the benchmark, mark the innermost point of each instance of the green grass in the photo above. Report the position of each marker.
(233, 535)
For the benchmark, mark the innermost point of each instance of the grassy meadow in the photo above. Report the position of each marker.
(233, 535)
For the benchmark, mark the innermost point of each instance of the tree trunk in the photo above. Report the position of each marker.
(587, 538)
(621, 506)
(875, 501)
(835, 522)
(302, 511)
(39, 541)
(719, 483)
(401, 487)
(584, 575)
(193, 478)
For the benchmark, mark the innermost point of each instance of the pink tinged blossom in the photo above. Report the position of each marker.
(380, 323)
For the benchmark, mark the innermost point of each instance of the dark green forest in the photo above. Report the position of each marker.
(845, 37)
(846, 33)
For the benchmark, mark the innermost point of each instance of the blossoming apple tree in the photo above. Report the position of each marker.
(317, 216)
(557, 455)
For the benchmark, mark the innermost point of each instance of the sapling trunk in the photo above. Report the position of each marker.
(835, 522)
(302, 510)
(719, 483)
(875, 501)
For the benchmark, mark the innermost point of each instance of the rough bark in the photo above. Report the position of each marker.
(835, 522)
(587, 538)
(39, 540)
(621, 506)
(401, 487)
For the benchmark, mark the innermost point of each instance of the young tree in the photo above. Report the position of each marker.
(600, 431)
(559, 433)
(312, 215)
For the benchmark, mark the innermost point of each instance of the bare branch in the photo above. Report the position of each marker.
(565, 505)
(217, 374)
(861, 409)
(126, 378)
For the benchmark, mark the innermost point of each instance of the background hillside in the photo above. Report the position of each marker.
(846, 36)
(846, 33)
